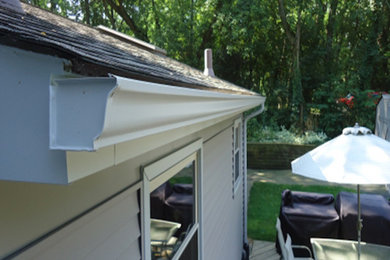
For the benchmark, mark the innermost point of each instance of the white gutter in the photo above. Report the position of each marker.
(247, 118)
(87, 114)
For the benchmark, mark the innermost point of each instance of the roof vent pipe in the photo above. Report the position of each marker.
(208, 63)
(13, 5)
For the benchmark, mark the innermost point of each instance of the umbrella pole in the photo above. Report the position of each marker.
(359, 222)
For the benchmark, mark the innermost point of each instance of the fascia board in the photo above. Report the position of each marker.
(125, 109)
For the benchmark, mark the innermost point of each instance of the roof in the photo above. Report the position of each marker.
(94, 52)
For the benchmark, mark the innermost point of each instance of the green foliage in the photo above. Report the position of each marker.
(264, 206)
(181, 180)
(256, 133)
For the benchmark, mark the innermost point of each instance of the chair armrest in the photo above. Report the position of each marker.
(302, 247)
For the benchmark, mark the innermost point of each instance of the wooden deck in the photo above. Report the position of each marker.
(263, 250)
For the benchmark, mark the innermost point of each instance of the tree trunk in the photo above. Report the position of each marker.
(286, 26)
(87, 13)
(207, 35)
(295, 41)
(329, 42)
(110, 14)
(298, 88)
(53, 6)
(156, 17)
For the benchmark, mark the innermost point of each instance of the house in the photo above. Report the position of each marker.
(96, 128)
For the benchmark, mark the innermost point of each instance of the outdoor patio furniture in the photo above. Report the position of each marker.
(286, 248)
(375, 214)
(173, 203)
(305, 214)
(161, 233)
(354, 157)
(325, 249)
(157, 201)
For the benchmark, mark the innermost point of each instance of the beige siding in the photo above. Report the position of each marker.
(29, 211)
(107, 232)
(222, 214)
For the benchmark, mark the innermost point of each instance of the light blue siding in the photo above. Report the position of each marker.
(24, 115)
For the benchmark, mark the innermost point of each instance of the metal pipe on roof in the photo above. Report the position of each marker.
(208, 63)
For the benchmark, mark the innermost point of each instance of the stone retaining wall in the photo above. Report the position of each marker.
(274, 155)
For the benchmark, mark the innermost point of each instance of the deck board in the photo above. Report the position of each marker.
(263, 250)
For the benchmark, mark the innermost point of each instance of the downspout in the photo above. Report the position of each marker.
(246, 119)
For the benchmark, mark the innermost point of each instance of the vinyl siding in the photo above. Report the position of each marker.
(110, 231)
(222, 214)
(30, 210)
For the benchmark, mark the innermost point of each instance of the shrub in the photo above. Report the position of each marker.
(256, 133)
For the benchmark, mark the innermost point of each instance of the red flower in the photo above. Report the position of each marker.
(348, 100)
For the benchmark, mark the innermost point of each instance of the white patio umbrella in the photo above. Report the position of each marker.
(354, 157)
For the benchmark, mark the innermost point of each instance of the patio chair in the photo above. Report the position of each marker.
(287, 248)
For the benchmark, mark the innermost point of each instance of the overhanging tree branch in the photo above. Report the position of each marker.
(120, 9)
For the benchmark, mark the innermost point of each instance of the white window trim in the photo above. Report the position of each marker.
(237, 181)
(162, 170)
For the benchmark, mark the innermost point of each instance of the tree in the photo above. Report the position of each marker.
(295, 42)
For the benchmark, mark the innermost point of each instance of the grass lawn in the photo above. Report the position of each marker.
(181, 180)
(264, 206)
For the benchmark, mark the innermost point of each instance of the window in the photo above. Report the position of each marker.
(236, 153)
(171, 196)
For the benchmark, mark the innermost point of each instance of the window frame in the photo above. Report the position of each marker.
(237, 150)
(158, 172)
